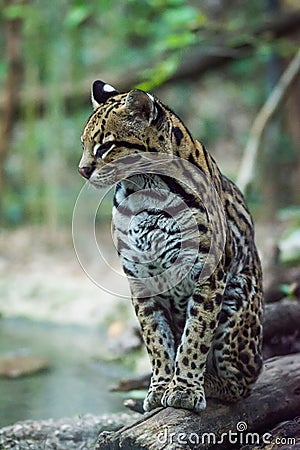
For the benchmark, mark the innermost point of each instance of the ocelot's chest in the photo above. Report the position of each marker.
(149, 233)
(156, 236)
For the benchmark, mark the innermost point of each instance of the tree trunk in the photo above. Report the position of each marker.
(11, 99)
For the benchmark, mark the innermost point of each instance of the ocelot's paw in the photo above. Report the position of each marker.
(153, 398)
(183, 397)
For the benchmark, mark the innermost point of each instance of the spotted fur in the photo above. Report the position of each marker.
(203, 335)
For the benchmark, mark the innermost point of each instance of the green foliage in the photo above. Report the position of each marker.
(16, 11)
(287, 290)
(290, 214)
(66, 43)
(166, 29)
(78, 15)
(159, 74)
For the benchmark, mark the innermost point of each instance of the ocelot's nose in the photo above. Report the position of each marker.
(85, 171)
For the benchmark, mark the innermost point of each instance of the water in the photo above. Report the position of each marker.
(77, 381)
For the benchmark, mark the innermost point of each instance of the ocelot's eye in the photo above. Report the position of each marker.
(100, 150)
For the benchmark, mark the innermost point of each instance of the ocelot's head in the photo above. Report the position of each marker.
(122, 124)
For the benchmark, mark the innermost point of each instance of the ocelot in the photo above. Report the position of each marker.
(186, 242)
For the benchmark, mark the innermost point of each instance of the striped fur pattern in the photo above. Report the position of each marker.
(203, 334)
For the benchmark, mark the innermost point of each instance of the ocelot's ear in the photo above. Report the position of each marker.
(141, 105)
(100, 92)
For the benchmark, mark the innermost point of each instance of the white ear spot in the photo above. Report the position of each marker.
(108, 88)
(154, 111)
(150, 96)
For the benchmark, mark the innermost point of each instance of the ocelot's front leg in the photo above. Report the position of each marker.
(159, 341)
(186, 389)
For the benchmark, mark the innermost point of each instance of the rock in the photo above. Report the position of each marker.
(21, 364)
(61, 434)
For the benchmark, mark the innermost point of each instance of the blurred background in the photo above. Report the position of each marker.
(216, 63)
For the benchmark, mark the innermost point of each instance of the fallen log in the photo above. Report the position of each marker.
(285, 436)
(281, 328)
(282, 317)
(275, 397)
